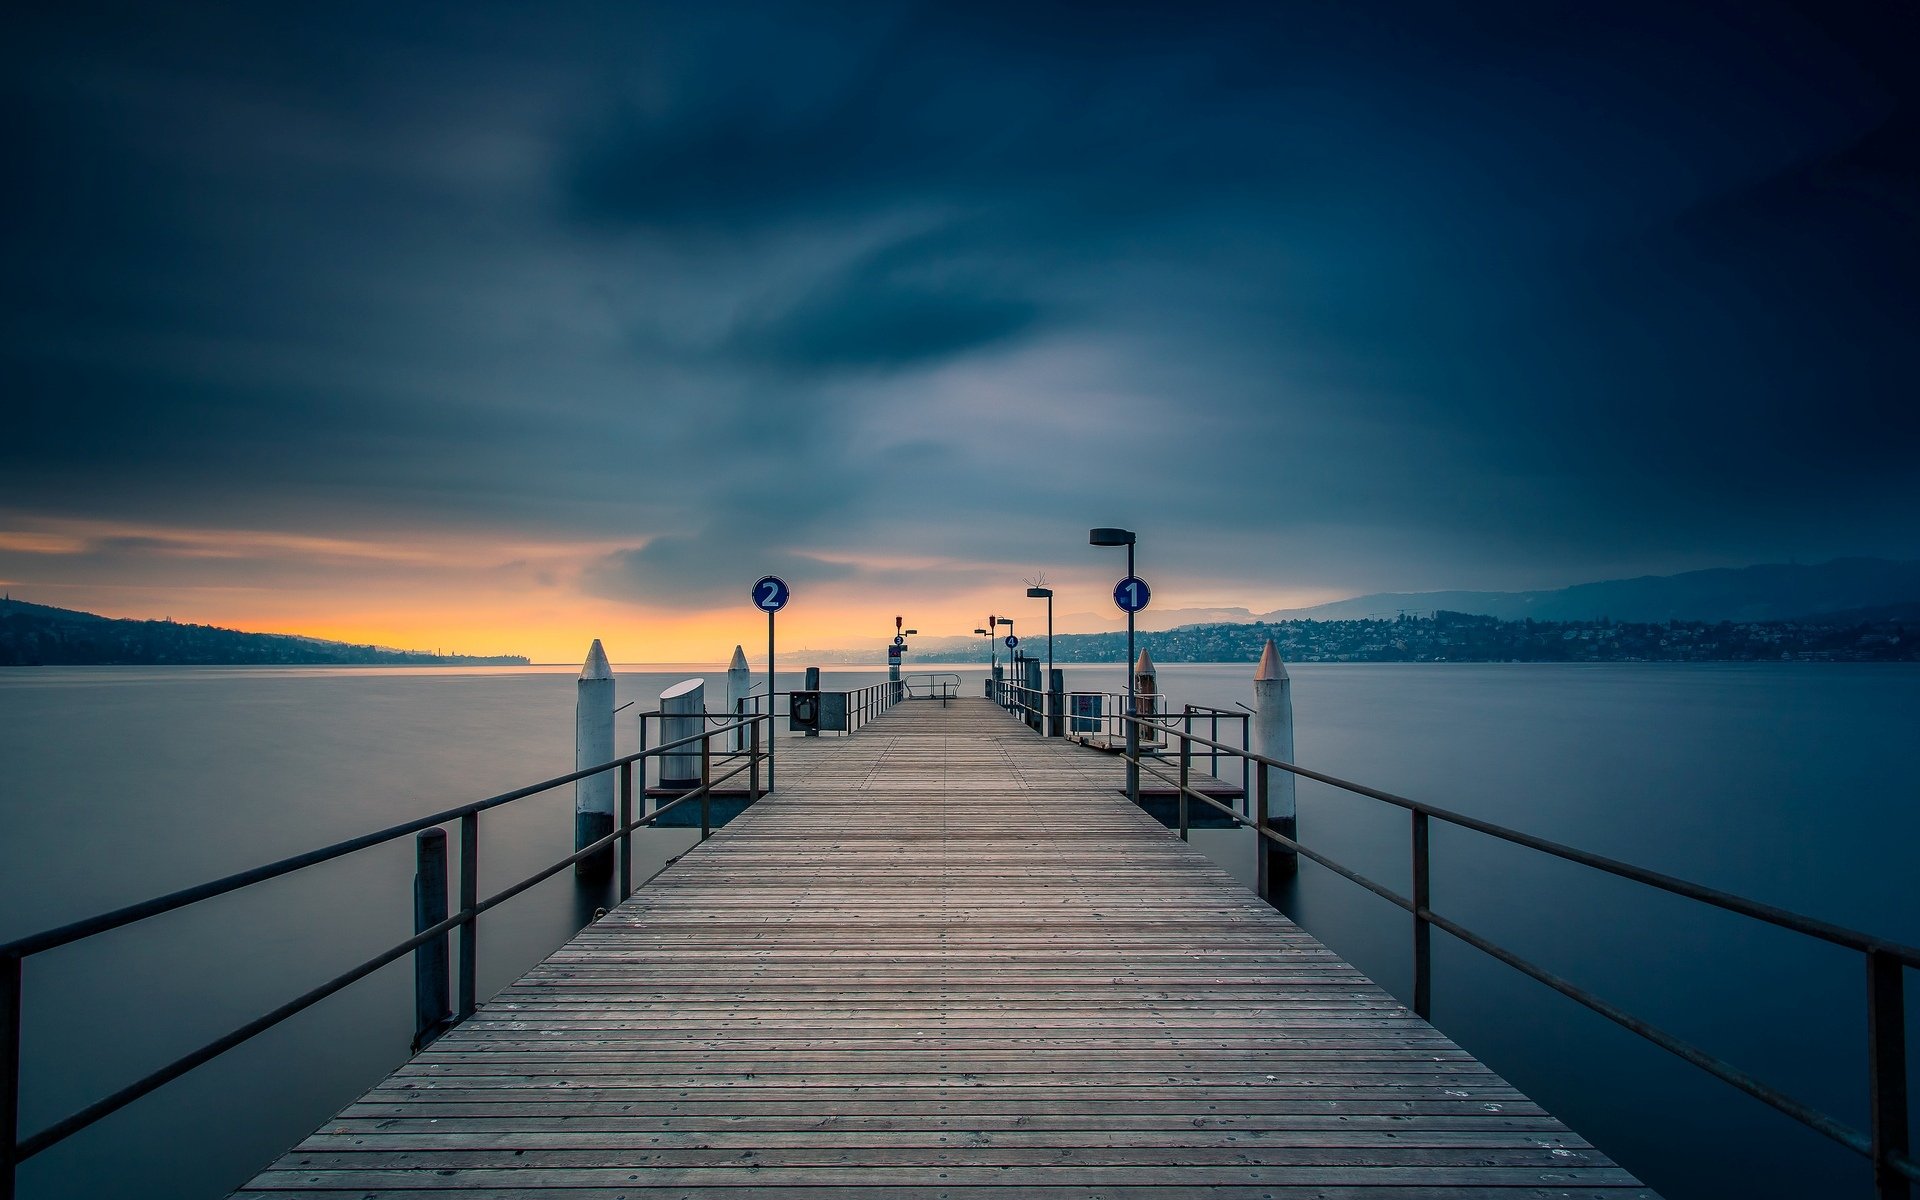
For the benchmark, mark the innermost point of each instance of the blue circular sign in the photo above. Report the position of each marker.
(1012, 641)
(898, 640)
(1132, 594)
(770, 593)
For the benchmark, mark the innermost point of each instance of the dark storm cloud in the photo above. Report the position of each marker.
(910, 303)
(1417, 295)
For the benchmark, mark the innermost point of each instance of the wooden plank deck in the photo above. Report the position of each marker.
(944, 960)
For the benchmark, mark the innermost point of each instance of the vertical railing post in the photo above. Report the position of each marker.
(1887, 1071)
(10, 1002)
(706, 786)
(1133, 752)
(753, 760)
(1422, 926)
(1213, 751)
(626, 830)
(1186, 772)
(1246, 764)
(469, 900)
(1262, 876)
(432, 1004)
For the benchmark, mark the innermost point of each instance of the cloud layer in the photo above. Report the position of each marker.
(1321, 299)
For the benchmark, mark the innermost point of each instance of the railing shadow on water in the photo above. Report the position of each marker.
(444, 996)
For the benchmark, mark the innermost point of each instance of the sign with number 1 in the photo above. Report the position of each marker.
(1132, 594)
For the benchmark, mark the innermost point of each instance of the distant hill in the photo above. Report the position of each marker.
(41, 635)
(1770, 592)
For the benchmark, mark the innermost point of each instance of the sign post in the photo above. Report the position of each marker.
(770, 595)
(1131, 595)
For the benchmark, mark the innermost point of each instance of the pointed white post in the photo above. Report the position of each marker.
(1146, 694)
(593, 745)
(739, 682)
(1272, 737)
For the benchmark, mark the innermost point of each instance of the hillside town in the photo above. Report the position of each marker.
(1881, 636)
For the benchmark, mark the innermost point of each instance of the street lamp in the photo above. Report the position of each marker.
(1036, 593)
(1125, 537)
(1012, 658)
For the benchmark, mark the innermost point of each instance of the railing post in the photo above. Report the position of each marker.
(1186, 771)
(469, 900)
(1422, 927)
(1213, 751)
(706, 786)
(1262, 874)
(10, 1000)
(1887, 1071)
(753, 760)
(1246, 765)
(1133, 752)
(626, 830)
(432, 1008)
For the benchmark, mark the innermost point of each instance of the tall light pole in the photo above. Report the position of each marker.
(1046, 685)
(1037, 593)
(1125, 537)
(1012, 655)
(993, 651)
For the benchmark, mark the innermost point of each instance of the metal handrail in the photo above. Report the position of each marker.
(1885, 1144)
(15, 1149)
(939, 679)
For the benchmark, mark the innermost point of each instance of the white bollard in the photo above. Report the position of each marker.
(739, 683)
(682, 706)
(593, 745)
(1273, 738)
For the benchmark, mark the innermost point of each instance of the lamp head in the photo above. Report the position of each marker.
(980, 631)
(1004, 621)
(912, 631)
(1040, 593)
(1109, 537)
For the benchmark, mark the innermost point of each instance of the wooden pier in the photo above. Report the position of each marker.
(946, 958)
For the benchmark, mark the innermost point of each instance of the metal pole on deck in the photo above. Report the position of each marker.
(770, 595)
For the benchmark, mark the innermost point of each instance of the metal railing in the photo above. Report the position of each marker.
(1885, 1144)
(1108, 719)
(863, 704)
(429, 942)
(938, 685)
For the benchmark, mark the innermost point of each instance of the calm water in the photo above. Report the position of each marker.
(1790, 783)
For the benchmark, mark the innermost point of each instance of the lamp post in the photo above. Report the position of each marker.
(1046, 687)
(1037, 593)
(1125, 537)
(993, 651)
(1007, 684)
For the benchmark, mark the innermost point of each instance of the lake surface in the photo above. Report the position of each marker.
(1791, 783)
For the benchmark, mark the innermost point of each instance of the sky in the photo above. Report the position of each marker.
(497, 328)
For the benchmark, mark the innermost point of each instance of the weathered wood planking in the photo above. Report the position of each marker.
(947, 959)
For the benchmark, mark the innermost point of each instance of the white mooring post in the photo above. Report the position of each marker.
(593, 745)
(1273, 738)
(739, 682)
(681, 706)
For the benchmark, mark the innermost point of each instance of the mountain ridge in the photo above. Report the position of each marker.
(42, 635)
